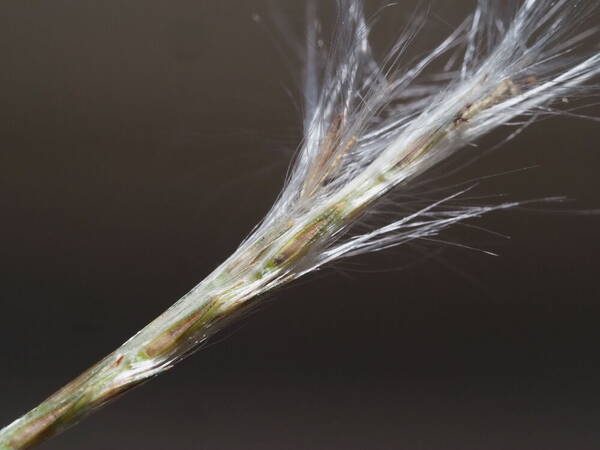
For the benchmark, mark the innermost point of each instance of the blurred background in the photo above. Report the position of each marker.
(142, 140)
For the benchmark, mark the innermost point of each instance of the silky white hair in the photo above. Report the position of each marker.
(363, 118)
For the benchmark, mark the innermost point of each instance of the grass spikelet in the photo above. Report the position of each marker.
(370, 129)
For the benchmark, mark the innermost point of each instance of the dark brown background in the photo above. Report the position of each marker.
(141, 141)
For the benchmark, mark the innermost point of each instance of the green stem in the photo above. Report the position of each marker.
(147, 354)
(251, 271)
(66, 407)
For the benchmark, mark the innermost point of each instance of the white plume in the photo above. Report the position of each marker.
(366, 121)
